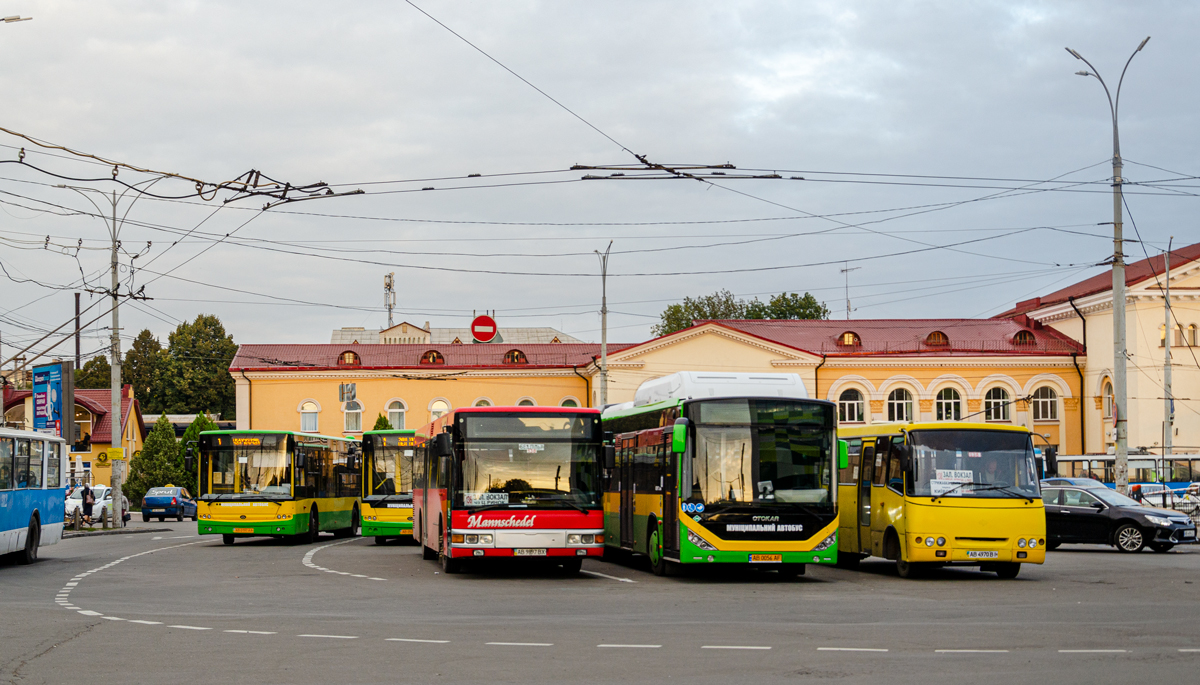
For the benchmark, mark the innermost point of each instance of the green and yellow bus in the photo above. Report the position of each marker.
(722, 468)
(935, 494)
(387, 481)
(277, 483)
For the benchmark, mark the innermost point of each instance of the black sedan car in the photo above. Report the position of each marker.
(170, 501)
(1101, 515)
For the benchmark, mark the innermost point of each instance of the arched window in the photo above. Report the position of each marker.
(483, 402)
(308, 416)
(1024, 338)
(849, 339)
(1108, 400)
(995, 405)
(1193, 336)
(515, 357)
(899, 405)
(437, 408)
(433, 357)
(949, 405)
(937, 339)
(526, 402)
(1045, 404)
(850, 406)
(396, 411)
(353, 411)
(569, 402)
(349, 358)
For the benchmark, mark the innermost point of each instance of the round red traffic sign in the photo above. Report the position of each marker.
(483, 328)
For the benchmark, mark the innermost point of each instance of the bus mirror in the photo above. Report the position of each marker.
(441, 445)
(843, 454)
(299, 459)
(610, 457)
(1051, 456)
(679, 436)
(189, 458)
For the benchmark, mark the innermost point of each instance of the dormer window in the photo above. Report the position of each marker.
(937, 339)
(515, 357)
(433, 357)
(1024, 338)
(349, 358)
(849, 339)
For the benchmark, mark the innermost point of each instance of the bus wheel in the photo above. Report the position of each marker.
(33, 539)
(907, 569)
(227, 538)
(379, 539)
(355, 520)
(1007, 570)
(658, 561)
(790, 571)
(450, 564)
(1129, 538)
(314, 524)
(572, 566)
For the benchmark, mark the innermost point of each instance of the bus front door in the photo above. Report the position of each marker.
(625, 459)
(670, 507)
(865, 475)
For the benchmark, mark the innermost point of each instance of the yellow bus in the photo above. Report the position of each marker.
(387, 481)
(935, 494)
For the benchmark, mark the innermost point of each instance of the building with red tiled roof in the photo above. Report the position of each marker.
(1083, 312)
(90, 458)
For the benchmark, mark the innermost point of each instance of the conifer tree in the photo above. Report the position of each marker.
(155, 465)
(190, 439)
(381, 424)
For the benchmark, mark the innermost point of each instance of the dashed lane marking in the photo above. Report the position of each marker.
(1092, 651)
(411, 639)
(252, 632)
(971, 651)
(521, 644)
(308, 561)
(190, 627)
(332, 637)
(850, 649)
(605, 575)
(146, 623)
(87, 612)
(629, 646)
(1189, 650)
(733, 647)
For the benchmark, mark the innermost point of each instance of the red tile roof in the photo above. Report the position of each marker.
(907, 336)
(1134, 273)
(98, 402)
(549, 355)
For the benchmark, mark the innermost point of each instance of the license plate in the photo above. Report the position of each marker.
(529, 552)
(243, 530)
(973, 554)
(158, 511)
(766, 558)
(399, 506)
(404, 532)
(1189, 533)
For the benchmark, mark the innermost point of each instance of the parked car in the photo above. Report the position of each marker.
(168, 501)
(102, 493)
(1079, 515)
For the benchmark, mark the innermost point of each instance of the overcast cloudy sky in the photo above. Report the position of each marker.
(359, 94)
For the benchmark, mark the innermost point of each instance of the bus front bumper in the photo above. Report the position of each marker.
(288, 526)
(975, 552)
(386, 528)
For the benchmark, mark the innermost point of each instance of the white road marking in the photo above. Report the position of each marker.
(333, 637)
(376, 578)
(190, 627)
(849, 649)
(1092, 651)
(243, 632)
(521, 644)
(87, 612)
(156, 537)
(605, 575)
(262, 632)
(409, 639)
(1190, 650)
(146, 623)
(733, 647)
(112, 618)
(971, 651)
(630, 646)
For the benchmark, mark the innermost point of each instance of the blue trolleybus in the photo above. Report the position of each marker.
(32, 494)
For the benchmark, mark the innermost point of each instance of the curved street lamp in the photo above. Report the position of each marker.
(1120, 418)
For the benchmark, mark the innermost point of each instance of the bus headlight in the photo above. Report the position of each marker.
(929, 542)
(581, 539)
(700, 542)
(826, 543)
(1032, 543)
(573, 539)
(474, 540)
(1021, 543)
(941, 542)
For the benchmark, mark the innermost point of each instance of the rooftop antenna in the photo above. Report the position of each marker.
(847, 271)
(389, 295)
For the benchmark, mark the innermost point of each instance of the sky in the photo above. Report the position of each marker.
(914, 143)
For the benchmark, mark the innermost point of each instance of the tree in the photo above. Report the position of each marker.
(382, 424)
(724, 305)
(190, 437)
(96, 374)
(143, 370)
(155, 465)
(196, 370)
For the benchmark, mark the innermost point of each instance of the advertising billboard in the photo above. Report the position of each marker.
(53, 390)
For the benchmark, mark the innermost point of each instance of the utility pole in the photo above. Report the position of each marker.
(77, 340)
(604, 323)
(1168, 399)
(1120, 393)
(389, 295)
(847, 271)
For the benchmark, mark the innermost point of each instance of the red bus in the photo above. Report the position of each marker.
(505, 482)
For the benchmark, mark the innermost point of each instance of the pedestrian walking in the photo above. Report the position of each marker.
(88, 500)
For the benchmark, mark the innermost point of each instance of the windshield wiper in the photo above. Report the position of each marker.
(1011, 489)
(935, 498)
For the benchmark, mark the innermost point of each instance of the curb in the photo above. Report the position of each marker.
(122, 531)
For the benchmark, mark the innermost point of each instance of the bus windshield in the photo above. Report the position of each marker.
(248, 465)
(972, 463)
(538, 460)
(389, 466)
(763, 452)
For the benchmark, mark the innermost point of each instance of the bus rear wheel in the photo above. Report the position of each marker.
(379, 539)
(1007, 570)
(314, 525)
(790, 571)
(227, 538)
(573, 566)
(33, 539)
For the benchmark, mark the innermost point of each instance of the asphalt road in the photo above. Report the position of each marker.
(173, 607)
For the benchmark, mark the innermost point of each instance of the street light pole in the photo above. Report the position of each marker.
(1120, 394)
(604, 323)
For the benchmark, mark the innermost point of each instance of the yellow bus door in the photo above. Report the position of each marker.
(625, 462)
(865, 476)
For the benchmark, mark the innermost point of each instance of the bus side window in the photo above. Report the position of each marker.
(848, 475)
(895, 477)
(6, 463)
(21, 465)
(868, 463)
(882, 446)
(53, 465)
